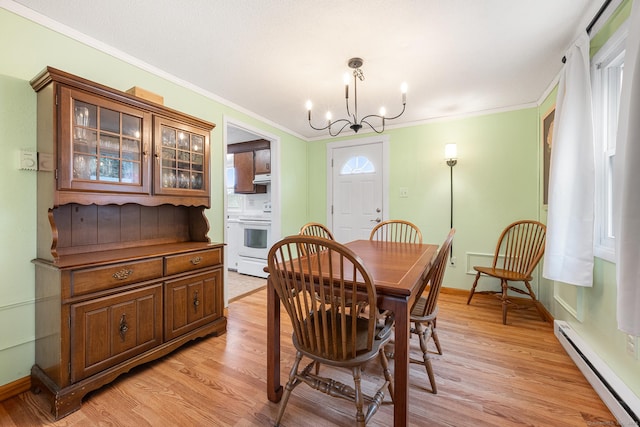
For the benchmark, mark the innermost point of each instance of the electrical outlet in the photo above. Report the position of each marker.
(453, 261)
(632, 346)
(404, 192)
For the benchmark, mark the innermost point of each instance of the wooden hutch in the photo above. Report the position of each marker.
(125, 271)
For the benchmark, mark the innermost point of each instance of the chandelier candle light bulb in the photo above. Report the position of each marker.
(352, 121)
(309, 105)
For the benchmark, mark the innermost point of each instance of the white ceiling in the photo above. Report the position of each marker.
(269, 56)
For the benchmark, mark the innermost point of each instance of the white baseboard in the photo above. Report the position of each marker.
(621, 401)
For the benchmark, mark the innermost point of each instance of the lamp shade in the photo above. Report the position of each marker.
(450, 151)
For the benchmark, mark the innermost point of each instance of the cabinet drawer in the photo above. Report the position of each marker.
(109, 330)
(96, 279)
(192, 261)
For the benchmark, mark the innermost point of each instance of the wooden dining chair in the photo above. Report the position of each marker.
(325, 332)
(519, 250)
(396, 230)
(316, 229)
(425, 309)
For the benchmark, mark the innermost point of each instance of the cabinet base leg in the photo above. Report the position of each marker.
(63, 401)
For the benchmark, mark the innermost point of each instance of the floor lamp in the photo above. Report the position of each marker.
(451, 155)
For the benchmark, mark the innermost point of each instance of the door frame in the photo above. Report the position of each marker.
(384, 139)
(275, 183)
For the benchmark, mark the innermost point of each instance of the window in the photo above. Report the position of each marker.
(357, 164)
(231, 173)
(607, 70)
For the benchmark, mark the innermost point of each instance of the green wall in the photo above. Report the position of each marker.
(17, 229)
(596, 305)
(495, 182)
(27, 48)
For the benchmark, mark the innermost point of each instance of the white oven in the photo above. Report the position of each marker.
(255, 242)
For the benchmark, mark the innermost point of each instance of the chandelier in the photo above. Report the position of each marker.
(352, 121)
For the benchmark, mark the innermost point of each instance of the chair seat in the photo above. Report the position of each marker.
(323, 355)
(419, 308)
(502, 274)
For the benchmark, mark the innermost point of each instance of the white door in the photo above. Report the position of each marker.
(357, 177)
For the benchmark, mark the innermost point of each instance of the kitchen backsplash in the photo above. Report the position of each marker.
(248, 203)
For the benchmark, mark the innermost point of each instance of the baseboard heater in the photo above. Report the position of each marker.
(621, 401)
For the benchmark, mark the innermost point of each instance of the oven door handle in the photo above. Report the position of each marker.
(255, 224)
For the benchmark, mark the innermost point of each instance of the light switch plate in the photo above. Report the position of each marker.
(45, 162)
(28, 160)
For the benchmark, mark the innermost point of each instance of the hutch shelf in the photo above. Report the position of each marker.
(125, 271)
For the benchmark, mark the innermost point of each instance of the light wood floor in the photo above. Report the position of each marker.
(489, 375)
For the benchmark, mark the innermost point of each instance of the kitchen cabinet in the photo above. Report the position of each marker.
(262, 161)
(125, 270)
(244, 164)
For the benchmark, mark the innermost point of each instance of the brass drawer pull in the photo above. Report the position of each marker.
(196, 260)
(122, 274)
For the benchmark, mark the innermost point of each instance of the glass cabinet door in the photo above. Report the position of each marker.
(108, 145)
(181, 157)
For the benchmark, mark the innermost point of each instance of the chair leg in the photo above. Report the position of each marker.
(434, 335)
(291, 384)
(425, 354)
(505, 301)
(359, 399)
(473, 288)
(387, 373)
(535, 300)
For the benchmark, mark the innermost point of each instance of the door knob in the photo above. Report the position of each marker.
(376, 220)
(378, 210)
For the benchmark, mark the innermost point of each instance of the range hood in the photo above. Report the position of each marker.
(262, 178)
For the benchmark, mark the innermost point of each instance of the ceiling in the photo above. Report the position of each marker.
(267, 57)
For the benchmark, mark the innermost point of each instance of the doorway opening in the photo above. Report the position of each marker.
(251, 199)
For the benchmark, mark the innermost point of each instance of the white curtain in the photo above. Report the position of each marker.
(569, 252)
(627, 184)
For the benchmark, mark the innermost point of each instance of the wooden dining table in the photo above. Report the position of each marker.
(397, 270)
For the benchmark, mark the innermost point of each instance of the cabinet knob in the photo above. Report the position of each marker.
(196, 260)
(196, 302)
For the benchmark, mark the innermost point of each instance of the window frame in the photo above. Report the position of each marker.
(606, 80)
